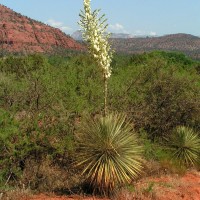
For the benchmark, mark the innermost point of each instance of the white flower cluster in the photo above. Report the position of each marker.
(94, 32)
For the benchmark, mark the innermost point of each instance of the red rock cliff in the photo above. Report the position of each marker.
(22, 34)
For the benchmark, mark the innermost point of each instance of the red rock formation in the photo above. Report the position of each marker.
(22, 34)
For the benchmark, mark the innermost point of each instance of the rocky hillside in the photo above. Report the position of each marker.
(185, 43)
(22, 34)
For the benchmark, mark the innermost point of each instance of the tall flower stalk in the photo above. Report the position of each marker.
(94, 31)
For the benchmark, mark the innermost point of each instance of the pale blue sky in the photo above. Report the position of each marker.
(137, 17)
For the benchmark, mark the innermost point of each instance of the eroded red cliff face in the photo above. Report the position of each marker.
(22, 34)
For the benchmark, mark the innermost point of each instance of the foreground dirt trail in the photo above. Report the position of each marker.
(188, 188)
(46, 197)
(166, 187)
(174, 187)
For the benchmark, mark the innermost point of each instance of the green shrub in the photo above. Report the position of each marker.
(156, 150)
(108, 152)
(158, 91)
(24, 137)
(42, 98)
(9, 131)
(165, 98)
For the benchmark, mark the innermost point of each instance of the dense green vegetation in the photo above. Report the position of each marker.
(43, 99)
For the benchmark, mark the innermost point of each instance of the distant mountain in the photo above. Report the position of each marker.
(22, 34)
(77, 35)
(121, 35)
(185, 43)
(126, 43)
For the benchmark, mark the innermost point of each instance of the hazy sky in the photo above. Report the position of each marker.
(137, 17)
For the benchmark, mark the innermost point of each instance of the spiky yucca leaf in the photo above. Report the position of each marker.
(108, 152)
(185, 144)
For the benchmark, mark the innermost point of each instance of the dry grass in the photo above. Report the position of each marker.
(16, 194)
(164, 167)
(141, 194)
(46, 176)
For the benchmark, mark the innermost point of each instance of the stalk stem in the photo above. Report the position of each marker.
(105, 94)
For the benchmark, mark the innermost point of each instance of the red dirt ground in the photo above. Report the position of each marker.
(47, 197)
(167, 187)
(175, 187)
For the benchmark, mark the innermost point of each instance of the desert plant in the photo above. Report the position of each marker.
(96, 36)
(108, 152)
(185, 146)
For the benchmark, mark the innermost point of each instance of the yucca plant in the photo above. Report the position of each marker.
(107, 147)
(94, 32)
(108, 152)
(185, 146)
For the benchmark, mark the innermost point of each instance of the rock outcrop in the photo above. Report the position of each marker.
(22, 34)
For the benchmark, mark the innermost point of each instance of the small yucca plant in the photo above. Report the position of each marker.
(185, 145)
(108, 152)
